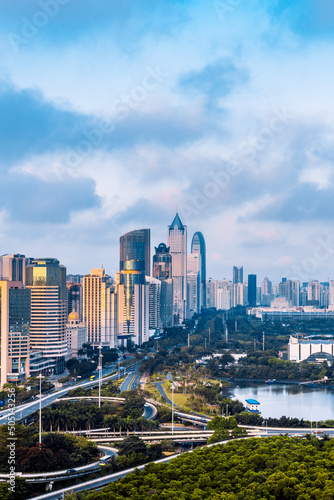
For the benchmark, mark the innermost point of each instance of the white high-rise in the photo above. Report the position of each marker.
(177, 241)
(194, 284)
(99, 309)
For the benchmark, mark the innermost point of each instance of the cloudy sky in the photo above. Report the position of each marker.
(114, 114)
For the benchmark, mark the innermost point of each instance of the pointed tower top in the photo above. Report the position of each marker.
(177, 222)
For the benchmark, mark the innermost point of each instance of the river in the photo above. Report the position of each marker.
(277, 400)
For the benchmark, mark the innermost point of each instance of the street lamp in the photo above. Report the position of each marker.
(172, 407)
(100, 377)
(40, 376)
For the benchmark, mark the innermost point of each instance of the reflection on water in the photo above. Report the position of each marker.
(290, 400)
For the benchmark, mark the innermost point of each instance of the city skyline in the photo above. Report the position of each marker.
(104, 133)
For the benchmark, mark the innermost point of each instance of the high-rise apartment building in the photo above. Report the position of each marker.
(15, 315)
(194, 284)
(331, 293)
(154, 290)
(252, 290)
(177, 241)
(99, 309)
(46, 279)
(136, 246)
(313, 292)
(13, 267)
(198, 247)
(238, 274)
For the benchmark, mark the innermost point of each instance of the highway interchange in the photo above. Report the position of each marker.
(130, 382)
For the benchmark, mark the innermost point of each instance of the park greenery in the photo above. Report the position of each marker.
(245, 336)
(275, 468)
(57, 451)
(85, 415)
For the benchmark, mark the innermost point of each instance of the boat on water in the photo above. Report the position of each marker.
(271, 381)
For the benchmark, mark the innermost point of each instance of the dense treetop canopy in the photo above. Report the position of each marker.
(275, 468)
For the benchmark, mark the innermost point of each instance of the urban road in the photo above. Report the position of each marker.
(25, 410)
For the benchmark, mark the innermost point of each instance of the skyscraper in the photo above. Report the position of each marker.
(15, 313)
(99, 308)
(13, 267)
(136, 245)
(198, 247)
(162, 270)
(177, 241)
(46, 279)
(238, 274)
(74, 298)
(132, 291)
(194, 284)
(252, 290)
(162, 262)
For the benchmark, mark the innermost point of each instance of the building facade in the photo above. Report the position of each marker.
(198, 247)
(13, 267)
(136, 245)
(15, 316)
(46, 279)
(76, 333)
(99, 309)
(252, 290)
(177, 241)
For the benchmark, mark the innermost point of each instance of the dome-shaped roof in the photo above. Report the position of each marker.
(73, 316)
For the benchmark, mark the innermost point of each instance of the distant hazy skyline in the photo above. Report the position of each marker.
(114, 115)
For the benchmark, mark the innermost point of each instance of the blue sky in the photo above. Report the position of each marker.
(114, 114)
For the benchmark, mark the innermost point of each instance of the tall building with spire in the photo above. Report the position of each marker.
(177, 241)
(198, 247)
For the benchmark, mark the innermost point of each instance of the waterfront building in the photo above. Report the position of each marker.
(252, 405)
(177, 241)
(311, 350)
(46, 279)
(99, 309)
(198, 247)
(15, 316)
